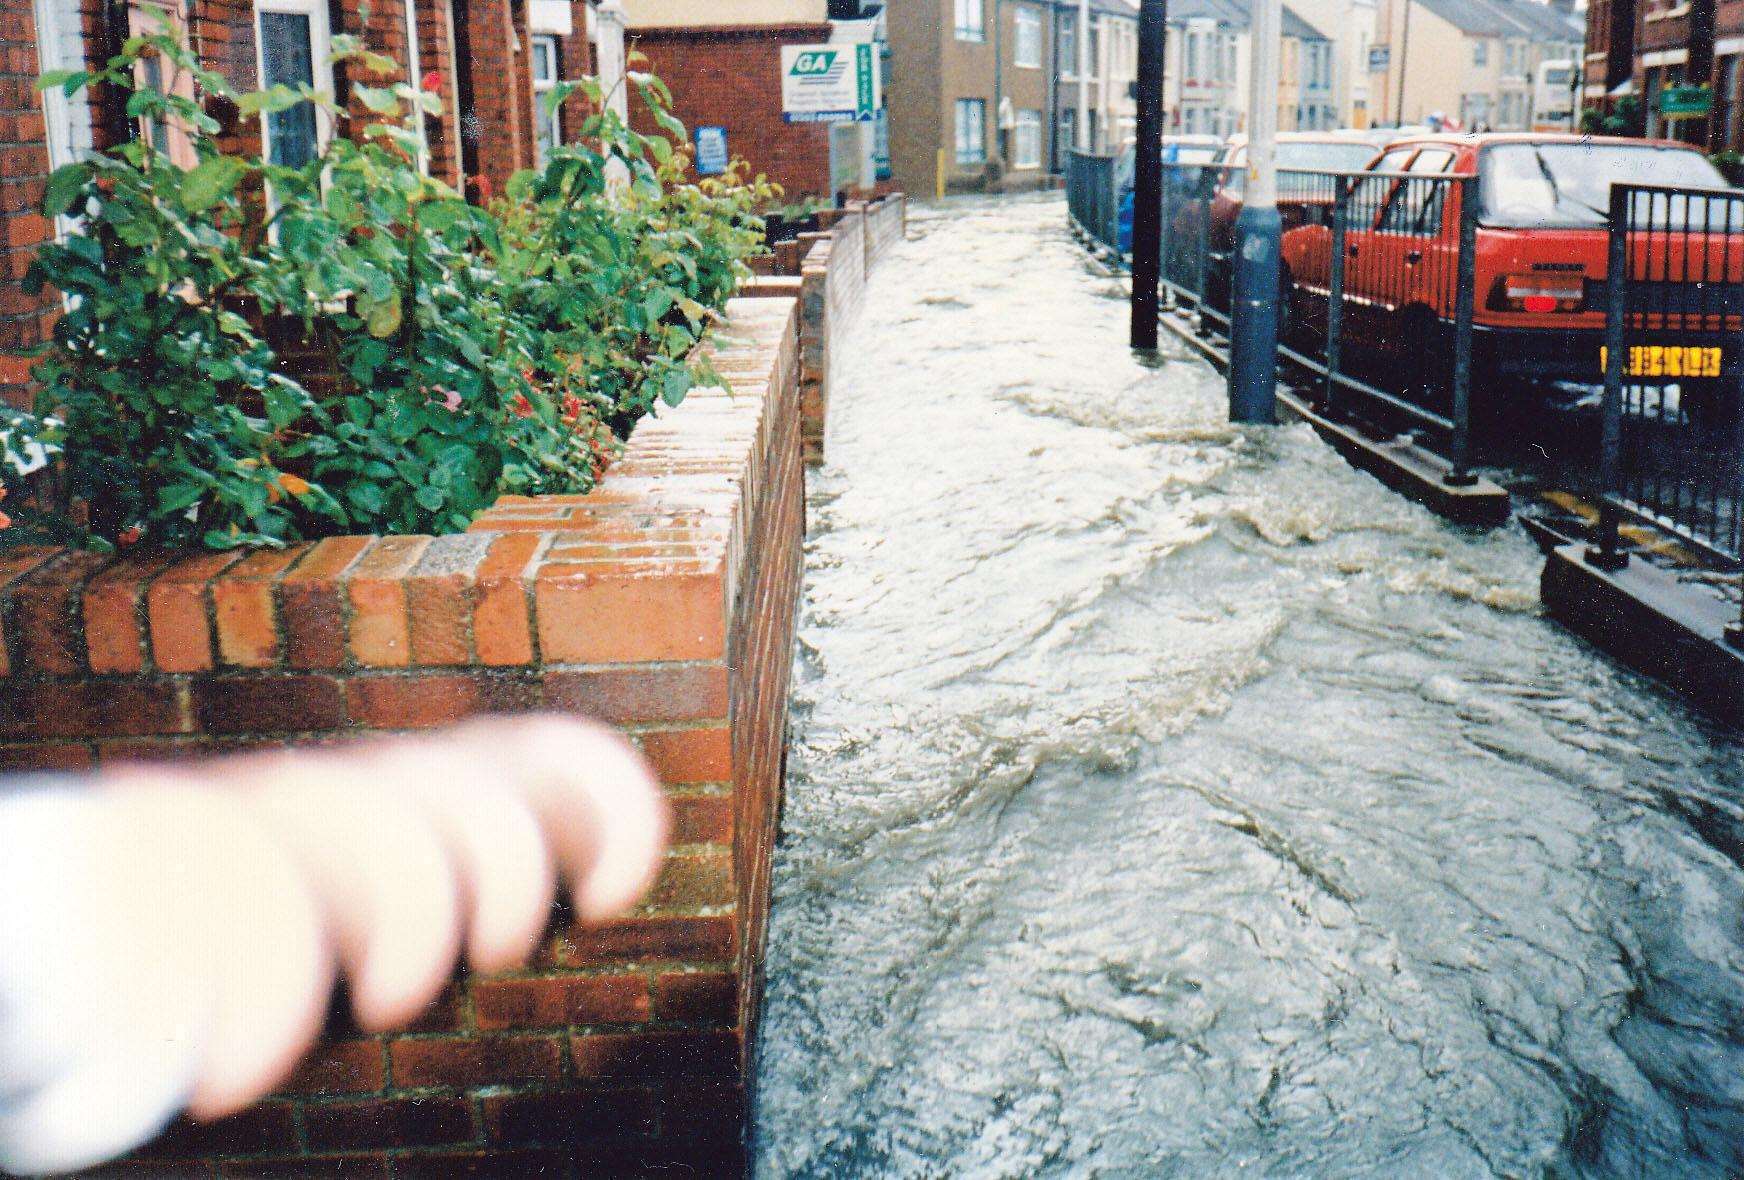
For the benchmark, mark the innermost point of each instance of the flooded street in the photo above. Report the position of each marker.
(1171, 799)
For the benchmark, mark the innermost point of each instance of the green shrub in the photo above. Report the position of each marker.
(443, 354)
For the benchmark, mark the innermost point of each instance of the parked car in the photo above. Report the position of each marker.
(1177, 149)
(1540, 263)
(1299, 196)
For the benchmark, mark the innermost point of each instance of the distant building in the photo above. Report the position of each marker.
(977, 96)
(722, 63)
(1205, 78)
(1639, 50)
(1474, 62)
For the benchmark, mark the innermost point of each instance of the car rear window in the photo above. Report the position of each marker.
(1325, 157)
(1568, 185)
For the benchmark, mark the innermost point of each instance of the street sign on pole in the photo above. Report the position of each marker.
(1147, 192)
(1253, 312)
(830, 83)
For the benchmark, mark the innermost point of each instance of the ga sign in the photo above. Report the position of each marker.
(830, 83)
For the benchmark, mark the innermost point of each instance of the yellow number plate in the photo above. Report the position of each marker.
(1668, 360)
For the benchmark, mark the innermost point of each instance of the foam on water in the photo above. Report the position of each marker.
(1168, 798)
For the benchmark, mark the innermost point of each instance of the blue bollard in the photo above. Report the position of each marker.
(1253, 316)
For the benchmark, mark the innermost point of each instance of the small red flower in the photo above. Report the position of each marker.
(571, 408)
(431, 83)
(521, 406)
(128, 536)
(448, 398)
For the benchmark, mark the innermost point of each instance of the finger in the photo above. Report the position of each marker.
(507, 876)
(384, 878)
(600, 806)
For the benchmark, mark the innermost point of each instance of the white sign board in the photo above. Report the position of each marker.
(830, 83)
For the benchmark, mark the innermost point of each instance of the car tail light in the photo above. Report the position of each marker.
(1559, 291)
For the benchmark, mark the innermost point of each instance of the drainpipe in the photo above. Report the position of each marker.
(1404, 48)
(999, 87)
(614, 80)
(1083, 120)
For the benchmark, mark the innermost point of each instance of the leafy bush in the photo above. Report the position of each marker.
(256, 354)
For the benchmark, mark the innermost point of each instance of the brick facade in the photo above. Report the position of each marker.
(478, 51)
(663, 603)
(730, 76)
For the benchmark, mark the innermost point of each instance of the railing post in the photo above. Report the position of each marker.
(1335, 292)
(1608, 554)
(1459, 470)
(1166, 252)
(1202, 243)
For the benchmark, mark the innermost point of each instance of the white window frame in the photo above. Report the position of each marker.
(1066, 45)
(548, 128)
(1026, 140)
(67, 120)
(971, 21)
(320, 51)
(974, 154)
(1026, 38)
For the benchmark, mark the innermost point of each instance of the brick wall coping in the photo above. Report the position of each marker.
(640, 571)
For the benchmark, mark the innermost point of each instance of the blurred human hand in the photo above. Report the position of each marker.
(170, 934)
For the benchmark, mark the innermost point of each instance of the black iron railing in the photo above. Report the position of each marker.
(1673, 436)
(1375, 254)
(1093, 196)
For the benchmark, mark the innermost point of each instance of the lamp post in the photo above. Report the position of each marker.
(1253, 313)
(1147, 188)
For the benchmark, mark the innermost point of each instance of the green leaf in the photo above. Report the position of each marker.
(211, 181)
(382, 316)
(676, 385)
(70, 81)
(378, 99)
(65, 185)
(430, 497)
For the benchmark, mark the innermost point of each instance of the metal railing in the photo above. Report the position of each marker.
(1093, 197)
(1673, 434)
(1388, 256)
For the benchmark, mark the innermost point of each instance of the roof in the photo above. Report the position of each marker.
(1508, 18)
(1238, 14)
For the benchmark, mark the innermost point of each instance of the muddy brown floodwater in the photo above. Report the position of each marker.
(1170, 799)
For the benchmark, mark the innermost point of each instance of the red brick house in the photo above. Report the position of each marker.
(488, 58)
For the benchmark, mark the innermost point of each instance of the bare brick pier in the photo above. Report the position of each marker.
(664, 603)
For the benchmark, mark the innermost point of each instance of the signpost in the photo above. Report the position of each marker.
(830, 83)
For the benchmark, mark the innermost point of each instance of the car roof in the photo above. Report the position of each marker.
(1340, 136)
(1486, 138)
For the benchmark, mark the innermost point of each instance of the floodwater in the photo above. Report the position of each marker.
(1170, 799)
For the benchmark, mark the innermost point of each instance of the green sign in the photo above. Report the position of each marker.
(1685, 102)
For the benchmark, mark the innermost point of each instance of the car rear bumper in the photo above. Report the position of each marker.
(1536, 354)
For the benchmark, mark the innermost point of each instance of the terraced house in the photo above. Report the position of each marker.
(485, 58)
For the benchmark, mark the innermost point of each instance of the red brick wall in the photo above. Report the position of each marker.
(662, 603)
(832, 267)
(24, 319)
(731, 77)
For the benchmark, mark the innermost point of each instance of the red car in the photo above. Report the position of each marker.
(1539, 298)
(1298, 195)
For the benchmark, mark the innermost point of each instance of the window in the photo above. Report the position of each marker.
(1726, 104)
(546, 124)
(971, 131)
(1068, 131)
(1095, 126)
(1416, 205)
(154, 18)
(971, 20)
(1480, 53)
(1026, 49)
(1095, 48)
(1026, 140)
(1191, 70)
(293, 52)
(1068, 45)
